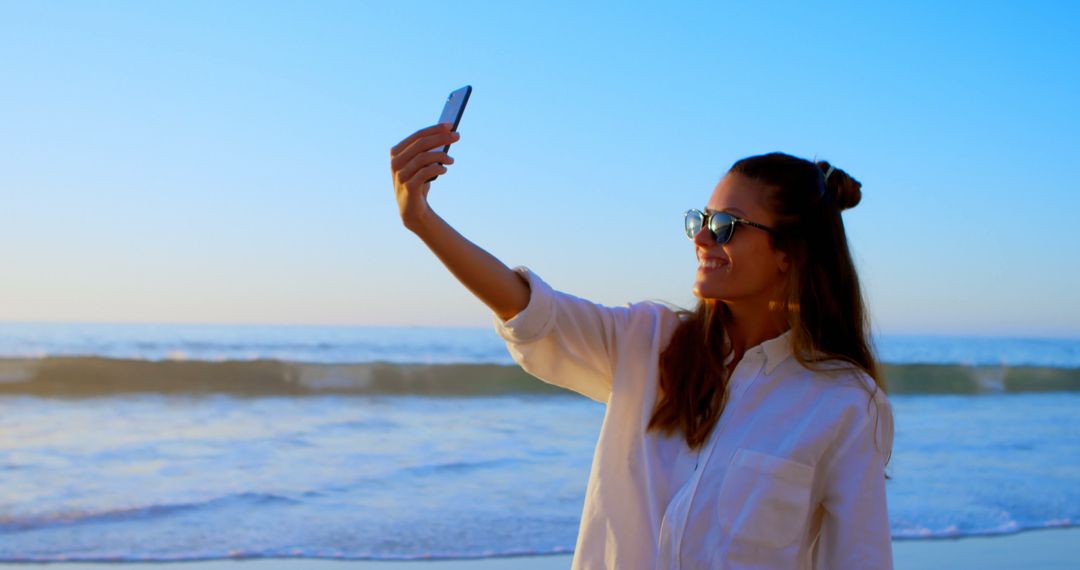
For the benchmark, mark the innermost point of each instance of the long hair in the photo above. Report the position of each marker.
(824, 303)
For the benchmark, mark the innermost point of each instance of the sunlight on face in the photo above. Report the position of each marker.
(746, 267)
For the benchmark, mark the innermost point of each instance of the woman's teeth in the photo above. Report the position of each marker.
(709, 263)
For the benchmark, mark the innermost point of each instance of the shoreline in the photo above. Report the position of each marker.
(1045, 549)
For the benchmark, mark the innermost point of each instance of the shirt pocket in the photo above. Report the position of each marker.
(764, 499)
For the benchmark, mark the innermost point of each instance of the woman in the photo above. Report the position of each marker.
(751, 432)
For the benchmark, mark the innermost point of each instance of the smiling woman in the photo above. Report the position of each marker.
(769, 280)
(737, 435)
(794, 277)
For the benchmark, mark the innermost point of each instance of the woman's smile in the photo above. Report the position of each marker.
(708, 264)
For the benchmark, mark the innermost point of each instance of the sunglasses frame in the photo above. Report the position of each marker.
(707, 217)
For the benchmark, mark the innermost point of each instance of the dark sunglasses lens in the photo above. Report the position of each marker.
(692, 223)
(721, 227)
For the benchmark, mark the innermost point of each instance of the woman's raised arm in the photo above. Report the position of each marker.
(413, 163)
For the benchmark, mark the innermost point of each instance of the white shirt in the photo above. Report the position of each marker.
(789, 477)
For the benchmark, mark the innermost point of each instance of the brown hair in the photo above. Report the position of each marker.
(824, 302)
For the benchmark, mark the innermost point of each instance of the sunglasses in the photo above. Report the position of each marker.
(721, 225)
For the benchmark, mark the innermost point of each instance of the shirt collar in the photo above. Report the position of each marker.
(775, 350)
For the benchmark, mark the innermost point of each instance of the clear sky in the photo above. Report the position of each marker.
(229, 161)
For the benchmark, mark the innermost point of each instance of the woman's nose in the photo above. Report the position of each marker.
(703, 237)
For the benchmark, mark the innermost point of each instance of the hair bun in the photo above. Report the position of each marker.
(842, 189)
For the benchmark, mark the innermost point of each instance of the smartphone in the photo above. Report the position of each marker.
(452, 111)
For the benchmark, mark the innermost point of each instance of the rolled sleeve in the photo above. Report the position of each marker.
(536, 319)
(855, 530)
(565, 340)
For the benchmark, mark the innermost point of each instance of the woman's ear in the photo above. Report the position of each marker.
(783, 263)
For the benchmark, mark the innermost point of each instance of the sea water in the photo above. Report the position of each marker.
(433, 345)
(104, 457)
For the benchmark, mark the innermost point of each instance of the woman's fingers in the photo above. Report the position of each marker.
(424, 174)
(422, 140)
(404, 144)
(421, 145)
(421, 161)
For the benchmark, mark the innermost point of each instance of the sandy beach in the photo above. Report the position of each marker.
(1047, 549)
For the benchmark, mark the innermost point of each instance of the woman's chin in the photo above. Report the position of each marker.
(704, 291)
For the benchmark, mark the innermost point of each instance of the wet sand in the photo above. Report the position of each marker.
(1048, 549)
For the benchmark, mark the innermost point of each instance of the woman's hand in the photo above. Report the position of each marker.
(413, 164)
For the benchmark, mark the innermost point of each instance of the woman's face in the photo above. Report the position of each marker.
(746, 268)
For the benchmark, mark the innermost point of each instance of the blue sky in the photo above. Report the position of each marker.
(228, 162)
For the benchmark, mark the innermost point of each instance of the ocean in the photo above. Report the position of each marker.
(183, 442)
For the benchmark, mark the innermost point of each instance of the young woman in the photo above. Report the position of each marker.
(751, 432)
